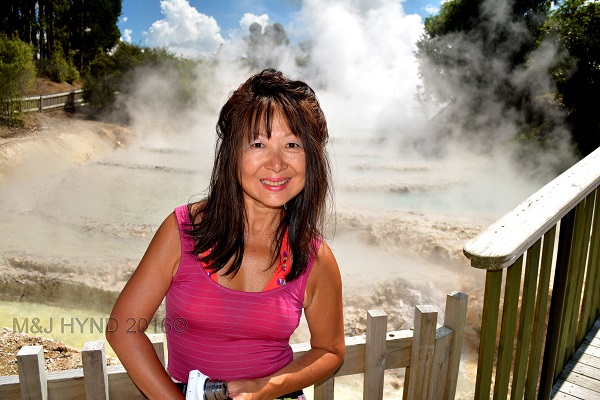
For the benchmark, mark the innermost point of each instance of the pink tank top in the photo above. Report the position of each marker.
(227, 334)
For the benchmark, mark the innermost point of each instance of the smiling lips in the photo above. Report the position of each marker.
(274, 183)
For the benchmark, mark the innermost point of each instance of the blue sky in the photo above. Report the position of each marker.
(205, 24)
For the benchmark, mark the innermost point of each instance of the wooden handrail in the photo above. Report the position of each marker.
(549, 234)
(507, 239)
(370, 354)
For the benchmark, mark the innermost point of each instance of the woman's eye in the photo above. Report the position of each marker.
(256, 145)
(294, 145)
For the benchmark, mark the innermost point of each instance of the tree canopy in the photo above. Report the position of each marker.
(575, 26)
(75, 31)
(116, 74)
(17, 72)
(525, 59)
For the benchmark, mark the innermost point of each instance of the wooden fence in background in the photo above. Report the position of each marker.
(51, 101)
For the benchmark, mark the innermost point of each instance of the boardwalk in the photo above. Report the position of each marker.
(581, 377)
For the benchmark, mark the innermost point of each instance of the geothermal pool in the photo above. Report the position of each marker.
(74, 235)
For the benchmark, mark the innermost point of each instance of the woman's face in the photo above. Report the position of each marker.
(272, 171)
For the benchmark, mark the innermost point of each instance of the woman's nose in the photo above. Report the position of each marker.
(276, 161)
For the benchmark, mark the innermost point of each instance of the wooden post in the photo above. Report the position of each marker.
(95, 376)
(455, 318)
(375, 355)
(324, 390)
(444, 337)
(557, 304)
(421, 363)
(508, 328)
(539, 319)
(406, 383)
(586, 320)
(489, 327)
(526, 319)
(32, 373)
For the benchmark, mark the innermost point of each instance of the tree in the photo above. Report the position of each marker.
(17, 73)
(470, 54)
(575, 27)
(95, 29)
(118, 73)
(75, 31)
(265, 46)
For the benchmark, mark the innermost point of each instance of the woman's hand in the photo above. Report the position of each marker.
(247, 389)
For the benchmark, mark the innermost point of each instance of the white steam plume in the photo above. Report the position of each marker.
(359, 56)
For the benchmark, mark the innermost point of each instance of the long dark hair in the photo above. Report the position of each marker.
(219, 219)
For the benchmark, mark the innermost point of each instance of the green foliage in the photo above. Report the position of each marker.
(98, 31)
(58, 68)
(119, 74)
(482, 55)
(454, 16)
(482, 60)
(66, 34)
(17, 74)
(575, 27)
(101, 83)
(472, 43)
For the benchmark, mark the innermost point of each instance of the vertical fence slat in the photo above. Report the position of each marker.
(564, 347)
(375, 354)
(507, 332)
(421, 362)
(559, 290)
(95, 375)
(592, 282)
(525, 326)
(455, 318)
(539, 318)
(324, 390)
(32, 373)
(489, 327)
(406, 383)
(582, 248)
(441, 355)
(595, 260)
(575, 285)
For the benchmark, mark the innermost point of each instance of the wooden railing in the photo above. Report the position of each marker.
(549, 305)
(51, 101)
(429, 353)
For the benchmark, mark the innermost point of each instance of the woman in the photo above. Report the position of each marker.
(238, 268)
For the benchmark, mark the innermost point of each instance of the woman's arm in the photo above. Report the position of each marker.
(324, 313)
(137, 304)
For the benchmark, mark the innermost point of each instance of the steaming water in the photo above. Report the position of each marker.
(95, 221)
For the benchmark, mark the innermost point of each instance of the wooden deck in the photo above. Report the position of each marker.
(581, 377)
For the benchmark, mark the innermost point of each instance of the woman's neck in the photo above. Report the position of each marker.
(263, 222)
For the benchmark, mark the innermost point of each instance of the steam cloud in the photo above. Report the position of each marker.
(359, 56)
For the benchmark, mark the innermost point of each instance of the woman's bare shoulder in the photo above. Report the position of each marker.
(325, 274)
